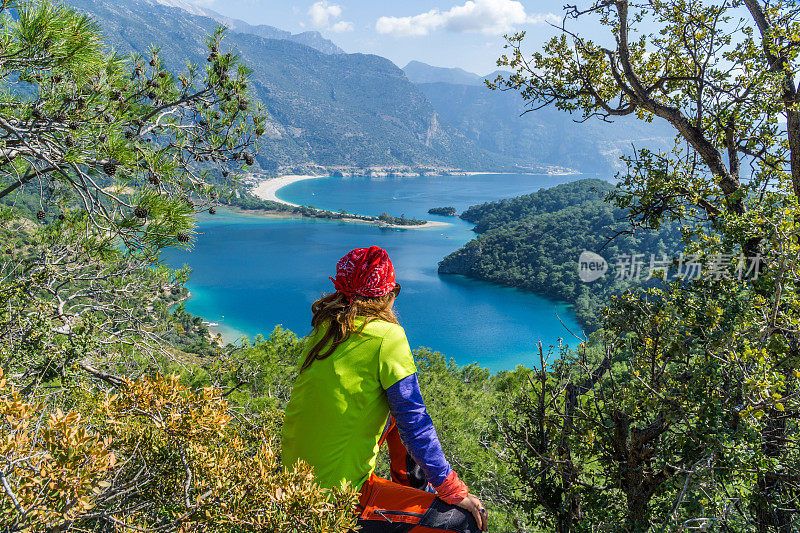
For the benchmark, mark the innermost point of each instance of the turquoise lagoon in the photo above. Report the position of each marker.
(251, 272)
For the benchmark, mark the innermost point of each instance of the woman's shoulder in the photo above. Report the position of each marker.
(382, 328)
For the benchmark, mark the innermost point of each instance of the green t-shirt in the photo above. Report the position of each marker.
(338, 407)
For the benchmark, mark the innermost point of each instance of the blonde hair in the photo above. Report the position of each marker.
(338, 311)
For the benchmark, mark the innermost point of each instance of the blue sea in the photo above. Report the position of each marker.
(253, 272)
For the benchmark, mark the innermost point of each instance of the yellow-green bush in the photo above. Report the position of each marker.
(52, 466)
(156, 454)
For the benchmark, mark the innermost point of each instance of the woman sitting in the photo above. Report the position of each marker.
(356, 370)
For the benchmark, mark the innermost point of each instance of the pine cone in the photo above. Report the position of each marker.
(40, 215)
(248, 158)
(153, 179)
(153, 62)
(212, 211)
(110, 168)
(225, 173)
(183, 236)
(242, 105)
(61, 216)
(141, 212)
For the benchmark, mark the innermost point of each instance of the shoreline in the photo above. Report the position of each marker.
(267, 190)
(288, 214)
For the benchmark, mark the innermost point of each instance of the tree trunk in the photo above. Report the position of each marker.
(793, 133)
(633, 449)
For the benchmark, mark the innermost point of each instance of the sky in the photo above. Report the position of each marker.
(448, 33)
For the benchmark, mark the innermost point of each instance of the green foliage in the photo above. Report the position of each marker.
(444, 211)
(400, 221)
(533, 242)
(190, 334)
(463, 403)
(113, 154)
(689, 419)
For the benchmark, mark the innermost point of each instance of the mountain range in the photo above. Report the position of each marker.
(420, 72)
(499, 122)
(314, 39)
(336, 112)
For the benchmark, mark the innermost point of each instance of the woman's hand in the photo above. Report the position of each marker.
(472, 504)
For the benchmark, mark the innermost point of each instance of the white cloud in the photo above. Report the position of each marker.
(321, 13)
(342, 26)
(485, 16)
(323, 17)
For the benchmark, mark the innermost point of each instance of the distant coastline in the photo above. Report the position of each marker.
(267, 190)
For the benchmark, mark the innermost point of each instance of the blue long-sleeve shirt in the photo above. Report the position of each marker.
(416, 429)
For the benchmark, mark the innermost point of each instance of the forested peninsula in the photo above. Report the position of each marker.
(533, 243)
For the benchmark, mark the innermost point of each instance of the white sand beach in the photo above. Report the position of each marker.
(267, 189)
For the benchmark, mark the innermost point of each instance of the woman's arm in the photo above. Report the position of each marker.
(416, 429)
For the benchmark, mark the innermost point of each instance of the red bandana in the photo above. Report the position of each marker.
(365, 272)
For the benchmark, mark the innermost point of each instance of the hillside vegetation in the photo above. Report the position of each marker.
(104, 164)
(533, 243)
